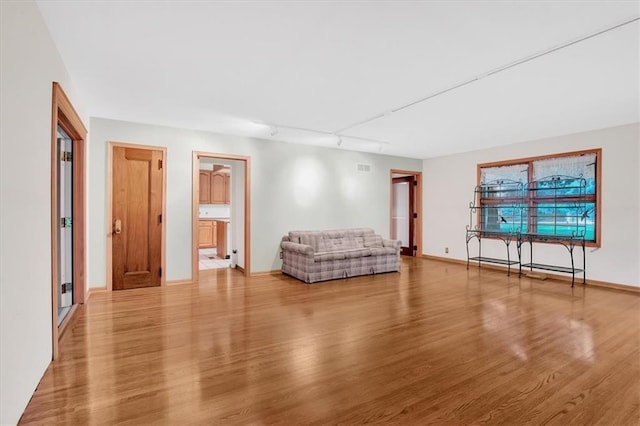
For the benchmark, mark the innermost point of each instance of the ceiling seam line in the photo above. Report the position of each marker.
(492, 72)
(562, 46)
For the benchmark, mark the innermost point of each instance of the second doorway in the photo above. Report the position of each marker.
(406, 210)
(220, 212)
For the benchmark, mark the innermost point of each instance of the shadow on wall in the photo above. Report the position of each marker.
(276, 265)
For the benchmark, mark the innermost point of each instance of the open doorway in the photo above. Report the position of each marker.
(220, 212)
(68, 135)
(406, 211)
(216, 178)
(64, 287)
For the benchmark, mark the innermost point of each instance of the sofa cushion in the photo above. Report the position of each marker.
(335, 233)
(309, 238)
(372, 241)
(294, 236)
(359, 232)
(328, 256)
(357, 252)
(379, 251)
(341, 254)
(337, 243)
(312, 239)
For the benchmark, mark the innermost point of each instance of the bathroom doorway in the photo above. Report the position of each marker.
(406, 211)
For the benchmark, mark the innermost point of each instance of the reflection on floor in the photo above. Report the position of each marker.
(208, 260)
(433, 344)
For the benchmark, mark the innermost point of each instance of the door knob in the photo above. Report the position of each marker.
(117, 227)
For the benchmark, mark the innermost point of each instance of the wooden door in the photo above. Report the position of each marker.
(205, 187)
(137, 218)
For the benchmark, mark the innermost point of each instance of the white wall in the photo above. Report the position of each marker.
(292, 187)
(29, 63)
(449, 183)
(214, 210)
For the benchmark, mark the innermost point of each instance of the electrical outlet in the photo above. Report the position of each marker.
(446, 249)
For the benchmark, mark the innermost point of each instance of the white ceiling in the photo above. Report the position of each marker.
(242, 67)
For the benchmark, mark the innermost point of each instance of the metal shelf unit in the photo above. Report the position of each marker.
(548, 210)
(558, 215)
(495, 213)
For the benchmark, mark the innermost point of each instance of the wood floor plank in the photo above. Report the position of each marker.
(434, 344)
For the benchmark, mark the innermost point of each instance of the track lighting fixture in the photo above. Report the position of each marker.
(328, 136)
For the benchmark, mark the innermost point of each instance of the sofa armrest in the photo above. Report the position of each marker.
(392, 243)
(298, 248)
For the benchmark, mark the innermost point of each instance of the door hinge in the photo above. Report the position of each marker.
(65, 222)
(159, 164)
(66, 156)
(415, 183)
(160, 218)
(160, 272)
(415, 215)
(66, 288)
(415, 248)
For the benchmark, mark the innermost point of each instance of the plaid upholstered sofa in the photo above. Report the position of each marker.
(313, 256)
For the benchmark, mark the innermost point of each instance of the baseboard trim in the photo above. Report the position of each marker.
(274, 272)
(94, 290)
(553, 277)
(447, 259)
(613, 286)
(66, 323)
(179, 282)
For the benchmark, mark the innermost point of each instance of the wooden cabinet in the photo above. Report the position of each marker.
(205, 230)
(214, 188)
(221, 238)
(207, 234)
(220, 188)
(205, 187)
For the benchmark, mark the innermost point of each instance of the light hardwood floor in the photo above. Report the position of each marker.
(435, 344)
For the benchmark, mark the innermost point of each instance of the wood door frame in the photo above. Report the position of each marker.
(417, 204)
(195, 201)
(410, 179)
(64, 114)
(109, 213)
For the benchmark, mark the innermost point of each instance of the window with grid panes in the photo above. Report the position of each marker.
(561, 194)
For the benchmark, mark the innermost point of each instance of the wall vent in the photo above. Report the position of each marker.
(365, 168)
